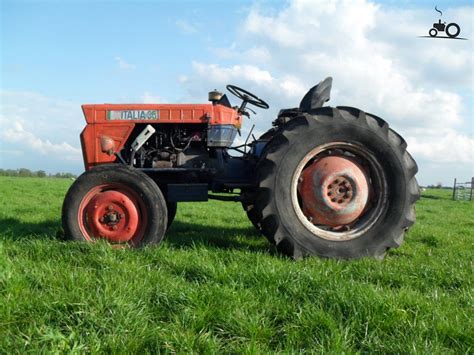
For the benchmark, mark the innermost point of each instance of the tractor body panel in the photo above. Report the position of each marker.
(110, 126)
(161, 113)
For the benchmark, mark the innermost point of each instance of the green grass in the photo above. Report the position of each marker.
(215, 285)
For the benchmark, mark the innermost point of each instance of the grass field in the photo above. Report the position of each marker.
(216, 285)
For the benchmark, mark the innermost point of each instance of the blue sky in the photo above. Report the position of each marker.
(67, 49)
(57, 55)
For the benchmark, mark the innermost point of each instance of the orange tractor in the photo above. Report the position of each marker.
(327, 181)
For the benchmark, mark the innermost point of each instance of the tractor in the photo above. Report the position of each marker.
(442, 27)
(327, 181)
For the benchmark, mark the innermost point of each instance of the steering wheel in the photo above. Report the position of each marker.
(247, 97)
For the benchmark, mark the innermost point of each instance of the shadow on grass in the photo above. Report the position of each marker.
(184, 234)
(180, 235)
(433, 197)
(12, 228)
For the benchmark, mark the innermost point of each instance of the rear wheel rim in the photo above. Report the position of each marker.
(339, 191)
(112, 212)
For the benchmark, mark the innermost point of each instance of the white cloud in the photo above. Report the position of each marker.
(148, 98)
(182, 79)
(378, 63)
(122, 64)
(451, 147)
(16, 133)
(223, 75)
(186, 27)
(45, 131)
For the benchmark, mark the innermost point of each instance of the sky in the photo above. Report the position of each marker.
(57, 55)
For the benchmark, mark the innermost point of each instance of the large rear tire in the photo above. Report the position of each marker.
(336, 183)
(115, 203)
(249, 200)
(456, 32)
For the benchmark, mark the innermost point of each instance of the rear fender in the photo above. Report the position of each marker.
(316, 96)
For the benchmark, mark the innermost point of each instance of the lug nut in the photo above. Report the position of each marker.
(110, 207)
(114, 228)
(122, 215)
(101, 219)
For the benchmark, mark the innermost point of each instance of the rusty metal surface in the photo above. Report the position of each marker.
(113, 216)
(113, 212)
(334, 191)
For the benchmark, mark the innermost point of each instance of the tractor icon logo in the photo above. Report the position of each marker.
(452, 29)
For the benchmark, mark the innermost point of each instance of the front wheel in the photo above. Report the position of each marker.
(117, 204)
(338, 183)
(433, 32)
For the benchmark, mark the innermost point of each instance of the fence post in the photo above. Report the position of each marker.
(472, 186)
(454, 189)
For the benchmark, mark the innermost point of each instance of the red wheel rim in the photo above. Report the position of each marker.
(112, 212)
(334, 190)
(339, 191)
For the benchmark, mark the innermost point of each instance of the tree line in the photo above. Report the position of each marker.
(23, 172)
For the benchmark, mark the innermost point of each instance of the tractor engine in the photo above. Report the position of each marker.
(173, 146)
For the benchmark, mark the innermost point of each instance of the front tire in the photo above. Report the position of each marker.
(337, 183)
(115, 203)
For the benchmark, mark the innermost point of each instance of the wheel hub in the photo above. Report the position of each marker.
(334, 191)
(112, 215)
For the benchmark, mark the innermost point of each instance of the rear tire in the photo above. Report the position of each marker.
(456, 32)
(248, 206)
(249, 200)
(115, 203)
(281, 206)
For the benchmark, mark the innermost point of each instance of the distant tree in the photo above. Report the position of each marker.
(439, 185)
(24, 172)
